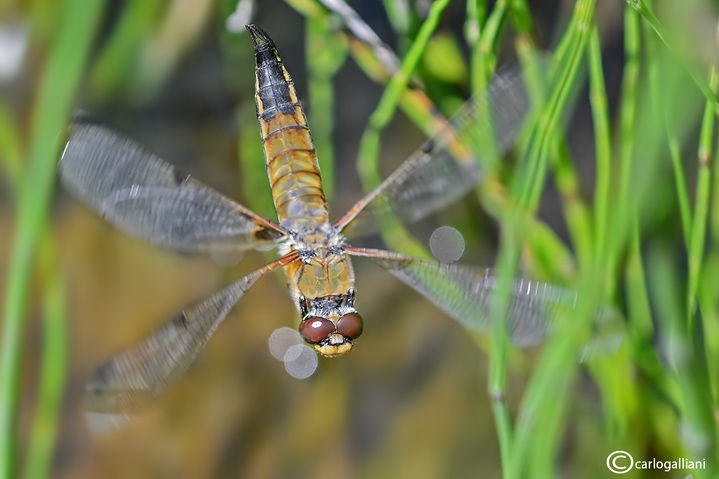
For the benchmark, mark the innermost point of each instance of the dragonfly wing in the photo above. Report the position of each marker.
(446, 167)
(142, 194)
(465, 293)
(129, 380)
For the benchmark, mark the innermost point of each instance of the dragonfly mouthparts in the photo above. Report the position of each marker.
(335, 345)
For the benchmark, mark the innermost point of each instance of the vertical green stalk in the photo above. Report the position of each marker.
(77, 22)
(475, 18)
(627, 116)
(620, 403)
(709, 294)
(714, 219)
(695, 379)
(482, 65)
(680, 182)
(566, 178)
(484, 58)
(630, 81)
(641, 329)
(326, 53)
(600, 114)
(522, 19)
(537, 163)
(654, 77)
(547, 394)
(41, 445)
(701, 202)
(507, 263)
(575, 210)
(685, 350)
(544, 402)
(43, 435)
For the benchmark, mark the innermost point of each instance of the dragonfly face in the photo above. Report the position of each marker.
(331, 323)
(142, 194)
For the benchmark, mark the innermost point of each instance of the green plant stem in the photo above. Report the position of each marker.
(522, 19)
(708, 293)
(701, 203)
(483, 64)
(685, 211)
(78, 20)
(326, 54)
(537, 163)
(620, 213)
(41, 446)
(507, 263)
(484, 58)
(654, 75)
(575, 210)
(558, 366)
(476, 16)
(600, 114)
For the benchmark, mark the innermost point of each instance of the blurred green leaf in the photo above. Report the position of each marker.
(444, 60)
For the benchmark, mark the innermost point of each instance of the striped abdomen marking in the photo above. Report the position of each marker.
(289, 152)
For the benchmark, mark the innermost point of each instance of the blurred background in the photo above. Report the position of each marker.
(624, 209)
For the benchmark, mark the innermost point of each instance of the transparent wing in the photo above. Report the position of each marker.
(446, 167)
(465, 293)
(129, 380)
(142, 194)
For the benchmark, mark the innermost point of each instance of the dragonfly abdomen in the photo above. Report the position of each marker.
(289, 152)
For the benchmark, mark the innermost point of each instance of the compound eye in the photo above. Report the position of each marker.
(350, 325)
(314, 330)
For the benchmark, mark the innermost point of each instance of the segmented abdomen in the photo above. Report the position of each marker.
(289, 152)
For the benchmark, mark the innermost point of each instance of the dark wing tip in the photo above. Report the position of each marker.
(260, 39)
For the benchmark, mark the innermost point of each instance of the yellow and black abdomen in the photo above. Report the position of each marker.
(289, 152)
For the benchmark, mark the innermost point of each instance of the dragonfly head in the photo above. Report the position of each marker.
(331, 338)
(330, 324)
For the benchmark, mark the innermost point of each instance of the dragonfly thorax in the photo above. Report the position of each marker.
(325, 235)
(322, 285)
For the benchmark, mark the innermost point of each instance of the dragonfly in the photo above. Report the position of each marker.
(142, 194)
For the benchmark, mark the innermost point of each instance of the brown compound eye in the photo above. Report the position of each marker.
(350, 325)
(314, 330)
